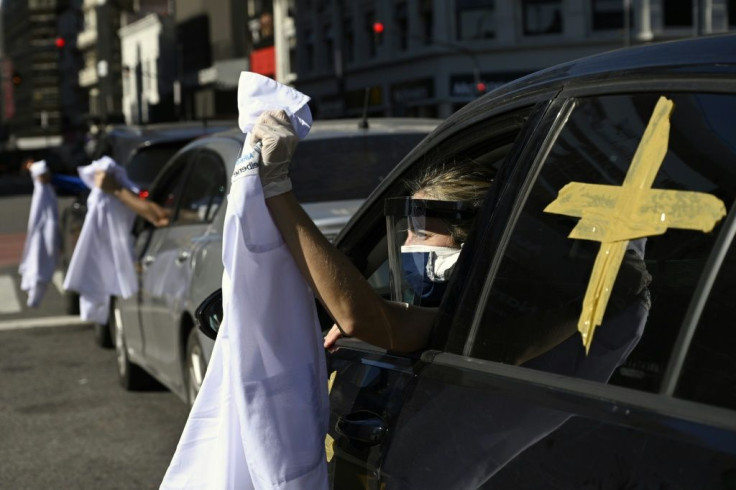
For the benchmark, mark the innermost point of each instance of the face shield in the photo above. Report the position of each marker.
(421, 249)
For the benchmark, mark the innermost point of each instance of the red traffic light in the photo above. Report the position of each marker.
(378, 27)
(60, 42)
(480, 87)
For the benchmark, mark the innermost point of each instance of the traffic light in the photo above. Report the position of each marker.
(60, 42)
(377, 32)
(480, 88)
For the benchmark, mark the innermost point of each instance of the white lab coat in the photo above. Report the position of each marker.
(41, 248)
(261, 415)
(102, 263)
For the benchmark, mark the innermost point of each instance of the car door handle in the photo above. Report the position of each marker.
(182, 256)
(148, 260)
(363, 426)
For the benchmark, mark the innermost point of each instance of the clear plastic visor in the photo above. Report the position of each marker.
(422, 251)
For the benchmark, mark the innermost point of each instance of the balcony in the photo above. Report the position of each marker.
(86, 39)
(88, 76)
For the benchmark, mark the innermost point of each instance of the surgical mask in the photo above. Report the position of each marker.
(426, 270)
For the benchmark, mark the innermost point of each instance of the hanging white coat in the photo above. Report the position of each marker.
(102, 263)
(261, 415)
(41, 248)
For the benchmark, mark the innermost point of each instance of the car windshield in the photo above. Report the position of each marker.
(146, 163)
(319, 166)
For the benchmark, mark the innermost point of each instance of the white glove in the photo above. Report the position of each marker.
(275, 132)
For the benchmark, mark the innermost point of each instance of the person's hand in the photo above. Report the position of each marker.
(274, 130)
(106, 182)
(332, 336)
(157, 215)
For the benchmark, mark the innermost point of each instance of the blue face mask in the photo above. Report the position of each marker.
(426, 271)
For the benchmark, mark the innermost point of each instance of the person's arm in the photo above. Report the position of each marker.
(149, 210)
(356, 308)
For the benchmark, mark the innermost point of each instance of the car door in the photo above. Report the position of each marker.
(166, 276)
(165, 192)
(370, 385)
(509, 397)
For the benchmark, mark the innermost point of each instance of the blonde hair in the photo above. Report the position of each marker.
(461, 180)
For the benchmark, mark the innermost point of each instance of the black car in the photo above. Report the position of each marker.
(651, 401)
(143, 151)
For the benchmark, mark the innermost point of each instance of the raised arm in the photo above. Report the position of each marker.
(356, 308)
(148, 210)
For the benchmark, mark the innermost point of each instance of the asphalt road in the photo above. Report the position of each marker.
(65, 422)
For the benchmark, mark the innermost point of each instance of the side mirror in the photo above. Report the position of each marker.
(209, 314)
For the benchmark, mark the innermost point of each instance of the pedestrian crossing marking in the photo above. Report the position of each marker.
(9, 302)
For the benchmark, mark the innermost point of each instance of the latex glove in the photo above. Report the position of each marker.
(275, 132)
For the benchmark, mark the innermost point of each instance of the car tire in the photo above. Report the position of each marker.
(131, 376)
(104, 336)
(194, 366)
(71, 302)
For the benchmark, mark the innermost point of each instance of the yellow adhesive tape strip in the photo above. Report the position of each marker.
(329, 441)
(614, 215)
(657, 211)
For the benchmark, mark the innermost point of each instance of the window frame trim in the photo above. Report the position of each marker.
(691, 321)
(557, 114)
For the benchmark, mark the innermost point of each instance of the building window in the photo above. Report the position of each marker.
(607, 15)
(426, 19)
(678, 13)
(401, 17)
(542, 17)
(348, 39)
(328, 42)
(373, 40)
(476, 19)
(308, 50)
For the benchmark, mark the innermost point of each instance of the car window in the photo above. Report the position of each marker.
(534, 305)
(147, 162)
(349, 167)
(487, 143)
(168, 186)
(709, 371)
(204, 190)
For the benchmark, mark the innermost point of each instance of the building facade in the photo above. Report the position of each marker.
(101, 76)
(430, 57)
(31, 113)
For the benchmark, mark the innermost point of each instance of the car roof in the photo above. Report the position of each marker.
(331, 128)
(703, 55)
(124, 140)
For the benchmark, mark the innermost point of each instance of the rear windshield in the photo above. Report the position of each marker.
(337, 169)
(148, 161)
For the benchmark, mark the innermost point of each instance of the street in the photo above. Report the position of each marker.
(64, 420)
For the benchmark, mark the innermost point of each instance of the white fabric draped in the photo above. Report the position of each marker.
(41, 248)
(260, 418)
(102, 263)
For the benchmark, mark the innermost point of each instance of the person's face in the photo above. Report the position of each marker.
(429, 231)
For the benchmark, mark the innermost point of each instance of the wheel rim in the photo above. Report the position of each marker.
(120, 346)
(196, 371)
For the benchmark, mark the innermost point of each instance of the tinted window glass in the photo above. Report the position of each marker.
(204, 190)
(145, 164)
(709, 373)
(168, 187)
(350, 167)
(535, 303)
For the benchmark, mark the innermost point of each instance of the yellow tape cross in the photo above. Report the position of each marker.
(614, 215)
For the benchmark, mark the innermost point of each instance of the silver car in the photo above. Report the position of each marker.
(334, 170)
